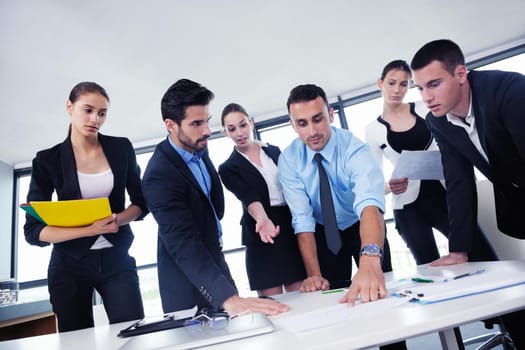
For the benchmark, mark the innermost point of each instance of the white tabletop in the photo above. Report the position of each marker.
(366, 325)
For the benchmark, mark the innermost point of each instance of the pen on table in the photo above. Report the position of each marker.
(333, 291)
(471, 273)
(421, 280)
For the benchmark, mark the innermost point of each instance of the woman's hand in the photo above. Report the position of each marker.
(398, 186)
(267, 230)
(106, 225)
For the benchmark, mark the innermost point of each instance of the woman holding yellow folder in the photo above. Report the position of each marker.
(87, 165)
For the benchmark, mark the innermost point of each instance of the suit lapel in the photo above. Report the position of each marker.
(69, 170)
(240, 161)
(459, 138)
(217, 195)
(179, 163)
(272, 152)
(481, 126)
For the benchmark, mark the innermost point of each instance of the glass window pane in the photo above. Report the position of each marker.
(219, 150)
(513, 64)
(144, 247)
(32, 261)
(280, 135)
(337, 119)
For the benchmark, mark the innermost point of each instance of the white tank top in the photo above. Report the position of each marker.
(96, 186)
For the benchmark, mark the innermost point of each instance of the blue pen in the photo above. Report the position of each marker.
(471, 273)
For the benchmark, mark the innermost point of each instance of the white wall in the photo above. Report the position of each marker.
(6, 200)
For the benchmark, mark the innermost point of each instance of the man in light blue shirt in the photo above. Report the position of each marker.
(356, 184)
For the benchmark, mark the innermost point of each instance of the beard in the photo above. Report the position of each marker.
(191, 145)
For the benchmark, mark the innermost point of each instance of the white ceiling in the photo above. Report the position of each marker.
(250, 52)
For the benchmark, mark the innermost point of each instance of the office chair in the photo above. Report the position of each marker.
(506, 248)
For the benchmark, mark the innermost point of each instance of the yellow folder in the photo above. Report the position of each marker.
(69, 213)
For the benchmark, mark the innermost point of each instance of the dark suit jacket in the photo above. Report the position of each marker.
(54, 169)
(498, 102)
(246, 182)
(191, 267)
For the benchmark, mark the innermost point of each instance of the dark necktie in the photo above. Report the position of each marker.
(333, 239)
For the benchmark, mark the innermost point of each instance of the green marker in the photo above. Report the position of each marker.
(333, 291)
(421, 280)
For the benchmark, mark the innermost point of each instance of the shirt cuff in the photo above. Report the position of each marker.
(369, 203)
(304, 224)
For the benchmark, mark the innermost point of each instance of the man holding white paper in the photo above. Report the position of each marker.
(477, 118)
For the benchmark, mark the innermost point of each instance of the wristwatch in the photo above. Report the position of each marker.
(372, 250)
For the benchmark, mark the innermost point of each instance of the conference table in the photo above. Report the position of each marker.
(317, 321)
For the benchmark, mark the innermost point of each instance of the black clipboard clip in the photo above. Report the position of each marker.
(168, 322)
(142, 327)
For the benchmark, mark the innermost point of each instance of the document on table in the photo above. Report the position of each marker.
(473, 282)
(419, 165)
(69, 213)
(333, 314)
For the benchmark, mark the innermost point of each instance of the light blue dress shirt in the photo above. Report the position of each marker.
(200, 172)
(355, 179)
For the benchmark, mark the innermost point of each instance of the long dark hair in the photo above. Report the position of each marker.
(396, 64)
(86, 87)
(233, 107)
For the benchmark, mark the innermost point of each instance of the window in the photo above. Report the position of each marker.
(31, 260)
(219, 150)
(513, 64)
(280, 135)
(144, 247)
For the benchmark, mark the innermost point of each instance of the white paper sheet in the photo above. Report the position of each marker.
(474, 282)
(419, 165)
(333, 314)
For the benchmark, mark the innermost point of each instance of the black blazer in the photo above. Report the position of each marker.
(191, 267)
(246, 182)
(54, 169)
(498, 102)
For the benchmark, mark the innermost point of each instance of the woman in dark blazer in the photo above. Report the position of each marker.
(273, 260)
(89, 165)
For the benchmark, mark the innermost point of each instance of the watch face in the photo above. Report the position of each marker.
(372, 249)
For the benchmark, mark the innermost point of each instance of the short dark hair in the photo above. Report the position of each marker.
(231, 108)
(396, 64)
(443, 50)
(305, 93)
(181, 95)
(86, 87)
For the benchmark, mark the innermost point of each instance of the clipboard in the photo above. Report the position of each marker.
(191, 337)
(167, 321)
(143, 327)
